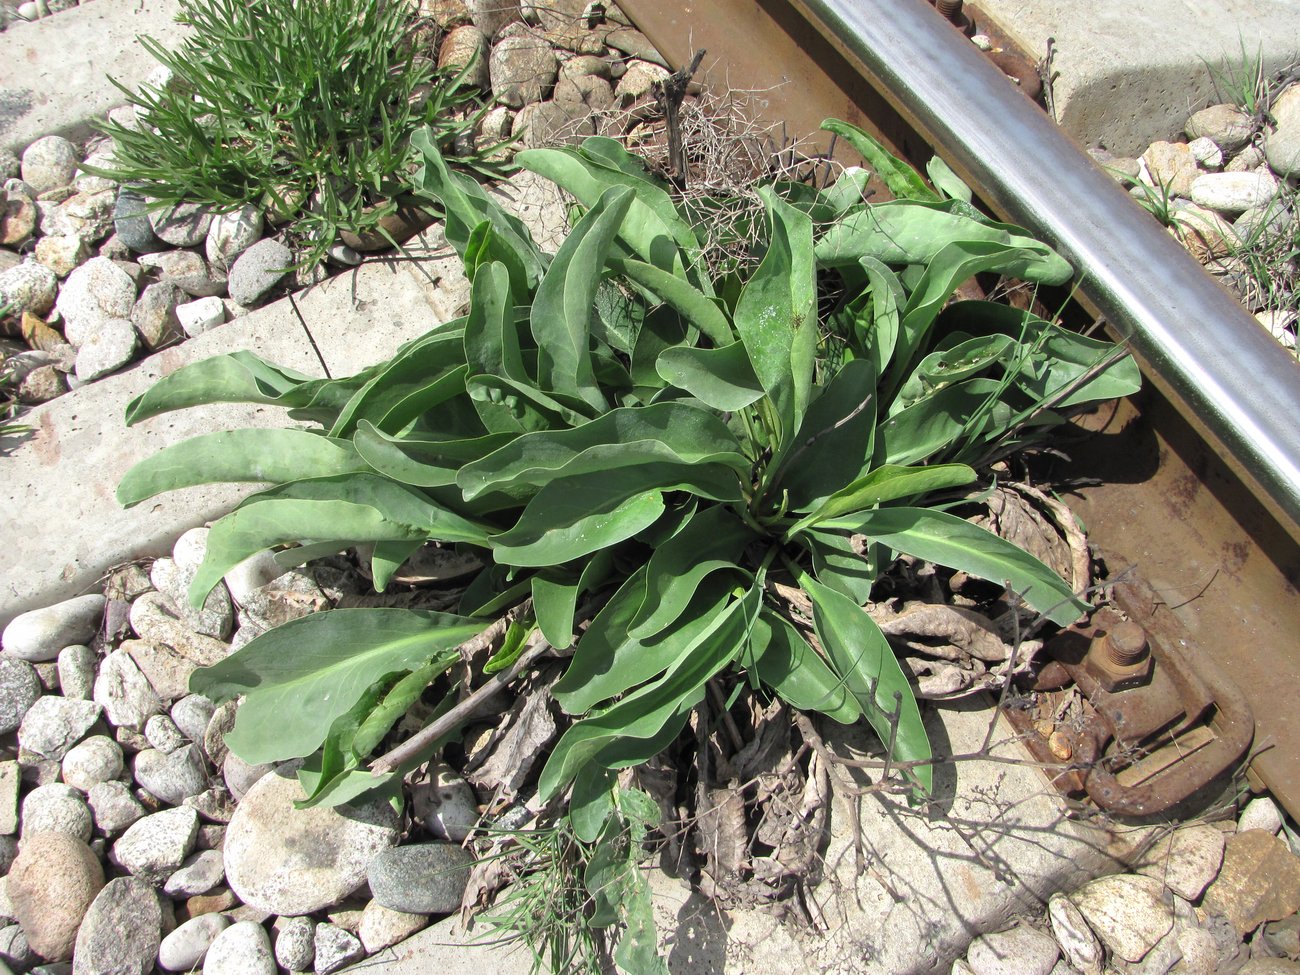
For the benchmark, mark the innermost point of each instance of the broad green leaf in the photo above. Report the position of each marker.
(562, 309)
(592, 802)
(829, 204)
(937, 422)
(952, 364)
(632, 723)
(575, 516)
(555, 600)
(420, 400)
(885, 308)
(782, 660)
(388, 557)
(609, 661)
(953, 264)
(947, 540)
(721, 378)
(836, 564)
(946, 181)
(776, 315)
(239, 377)
(690, 303)
(466, 204)
(904, 232)
(507, 406)
(485, 247)
(336, 756)
(888, 483)
(238, 455)
(677, 433)
(491, 338)
(654, 230)
(899, 178)
(871, 673)
(835, 440)
(301, 676)
(713, 540)
(395, 703)
(437, 356)
(421, 463)
(250, 529)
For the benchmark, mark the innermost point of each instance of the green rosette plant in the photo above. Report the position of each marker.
(648, 462)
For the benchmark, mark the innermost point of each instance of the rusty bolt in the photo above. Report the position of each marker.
(949, 8)
(1125, 644)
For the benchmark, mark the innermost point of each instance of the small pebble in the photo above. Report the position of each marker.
(197, 317)
(199, 874)
(335, 948)
(56, 808)
(192, 714)
(1261, 813)
(90, 762)
(241, 949)
(77, 672)
(41, 633)
(186, 947)
(114, 807)
(295, 943)
(162, 734)
(20, 688)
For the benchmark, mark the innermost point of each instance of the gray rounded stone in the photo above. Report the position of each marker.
(111, 345)
(523, 68)
(197, 875)
(49, 163)
(258, 270)
(124, 692)
(192, 714)
(40, 634)
(28, 287)
(241, 949)
(56, 808)
(186, 947)
(132, 225)
(1020, 951)
(1282, 144)
(161, 732)
(15, 950)
(1129, 913)
(233, 233)
(382, 927)
(97, 292)
(424, 878)
(172, 777)
(19, 690)
(156, 846)
(155, 314)
(1226, 125)
(113, 807)
(77, 672)
(122, 931)
(183, 225)
(188, 271)
(1233, 192)
(1260, 813)
(335, 948)
(90, 762)
(54, 724)
(1078, 944)
(285, 860)
(239, 776)
(295, 943)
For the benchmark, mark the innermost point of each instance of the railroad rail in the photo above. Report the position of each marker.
(1200, 473)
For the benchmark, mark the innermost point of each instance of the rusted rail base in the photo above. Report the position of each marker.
(1223, 564)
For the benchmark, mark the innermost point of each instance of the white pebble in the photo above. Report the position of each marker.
(197, 317)
(1260, 813)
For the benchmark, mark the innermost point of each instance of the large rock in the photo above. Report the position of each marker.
(40, 634)
(186, 947)
(28, 287)
(258, 270)
(285, 860)
(1129, 913)
(122, 931)
(1022, 950)
(1282, 144)
(94, 293)
(49, 163)
(423, 878)
(1233, 192)
(54, 724)
(1226, 125)
(157, 845)
(1185, 861)
(51, 885)
(1259, 881)
(523, 68)
(241, 949)
(173, 776)
(56, 808)
(19, 690)
(125, 693)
